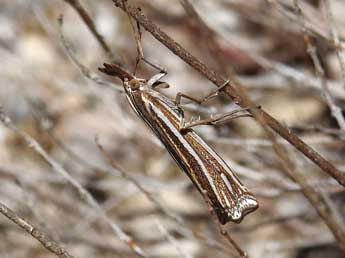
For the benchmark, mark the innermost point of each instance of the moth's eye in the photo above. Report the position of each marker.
(134, 84)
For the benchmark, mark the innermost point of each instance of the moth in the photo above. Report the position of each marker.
(219, 185)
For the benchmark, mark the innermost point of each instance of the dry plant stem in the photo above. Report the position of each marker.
(319, 204)
(312, 51)
(335, 110)
(335, 36)
(83, 69)
(172, 240)
(267, 222)
(313, 28)
(49, 244)
(91, 25)
(231, 91)
(148, 194)
(85, 195)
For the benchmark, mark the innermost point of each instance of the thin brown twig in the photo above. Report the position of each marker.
(332, 219)
(231, 91)
(291, 170)
(319, 204)
(287, 71)
(48, 243)
(91, 25)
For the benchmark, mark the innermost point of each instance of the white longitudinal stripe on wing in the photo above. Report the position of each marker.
(189, 148)
(219, 160)
(226, 181)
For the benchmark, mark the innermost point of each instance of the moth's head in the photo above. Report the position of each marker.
(133, 84)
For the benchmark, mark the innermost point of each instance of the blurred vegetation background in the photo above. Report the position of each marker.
(288, 55)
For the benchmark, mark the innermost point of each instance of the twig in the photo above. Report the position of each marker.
(290, 169)
(300, 243)
(335, 36)
(91, 25)
(49, 244)
(83, 69)
(85, 195)
(261, 143)
(128, 177)
(335, 110)
(302, 78)
(172, 240)
(312, 51)
(231, 91)
(280, 219)
(207, 36)
(313, 28)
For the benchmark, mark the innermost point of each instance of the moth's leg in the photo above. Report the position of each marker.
(155, 82)
(200, 101)
(140, 52)
(218, 118)
(183, 124)
(141, 55)
(160, 85)
(181, 95)
(137, 35)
